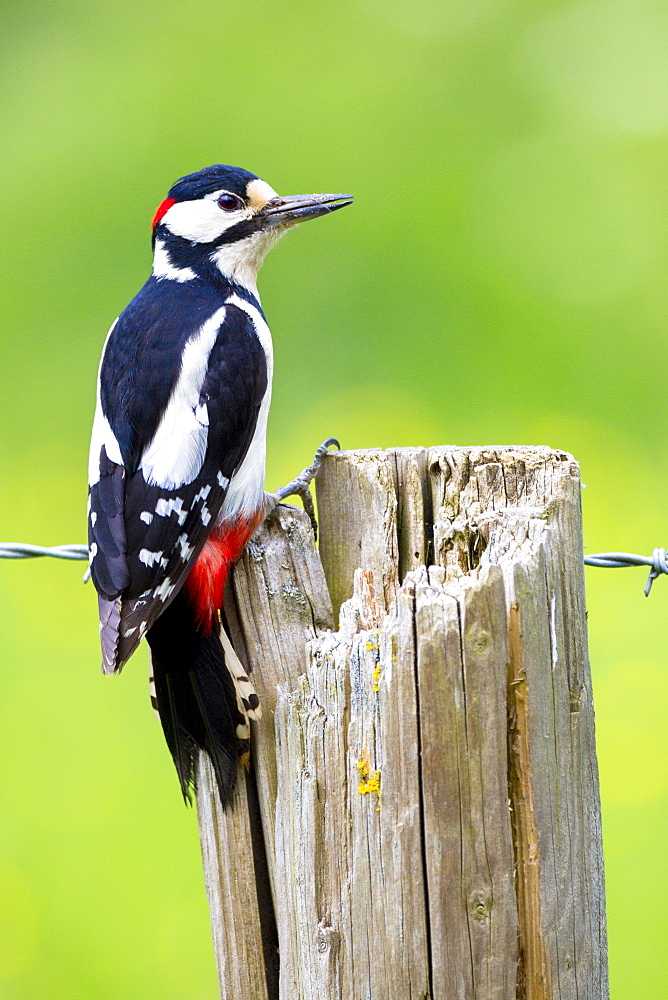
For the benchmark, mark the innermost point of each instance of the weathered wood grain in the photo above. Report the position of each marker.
(280, 600)
(357, 511)
(462, 664)
(409, 467)
(428, 782)
(348, 821)
(520, 509)
(229, 876)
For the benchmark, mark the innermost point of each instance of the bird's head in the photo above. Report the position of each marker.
(225, 220)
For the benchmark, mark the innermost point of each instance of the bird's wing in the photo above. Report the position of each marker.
(147, 524)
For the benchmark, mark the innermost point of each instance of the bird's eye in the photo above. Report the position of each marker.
(229, 202)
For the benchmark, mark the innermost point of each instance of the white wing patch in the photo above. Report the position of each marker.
(150, 558)
(168, 505)
(186, 548)
(176, 454)
(165, 590)
(102, 436)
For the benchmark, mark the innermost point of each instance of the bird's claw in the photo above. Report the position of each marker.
(300, 485)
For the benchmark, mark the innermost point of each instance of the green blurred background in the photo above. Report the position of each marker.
(500, 279)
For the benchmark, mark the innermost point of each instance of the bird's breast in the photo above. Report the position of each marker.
(245, 494)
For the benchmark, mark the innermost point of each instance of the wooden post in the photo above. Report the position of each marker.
(423, 819)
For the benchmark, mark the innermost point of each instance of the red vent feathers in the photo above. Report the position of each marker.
(205, 585)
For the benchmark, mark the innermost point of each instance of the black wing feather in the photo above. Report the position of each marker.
(106, 529)
(233, 389)
(142, 358)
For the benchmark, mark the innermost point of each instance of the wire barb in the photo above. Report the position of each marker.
(657, 562)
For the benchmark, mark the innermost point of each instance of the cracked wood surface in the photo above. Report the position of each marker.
(426, 773)
(229, 877)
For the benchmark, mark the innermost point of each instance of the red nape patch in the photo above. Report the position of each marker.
(205, 586)
(163, 208)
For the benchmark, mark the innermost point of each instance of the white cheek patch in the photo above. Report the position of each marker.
(202, 220)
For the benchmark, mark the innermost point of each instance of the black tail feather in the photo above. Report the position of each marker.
(196, 697)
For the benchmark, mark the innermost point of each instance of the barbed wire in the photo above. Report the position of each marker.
(619, 560)
(22, 550)
(657, 562)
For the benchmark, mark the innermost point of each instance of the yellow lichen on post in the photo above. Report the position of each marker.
(372, 646)
(369, 781)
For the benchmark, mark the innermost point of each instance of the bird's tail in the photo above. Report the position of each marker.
(203, 696)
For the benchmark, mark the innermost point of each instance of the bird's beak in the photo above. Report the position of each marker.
(296, 208)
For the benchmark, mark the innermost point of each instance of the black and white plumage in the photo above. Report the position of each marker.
(177, 458)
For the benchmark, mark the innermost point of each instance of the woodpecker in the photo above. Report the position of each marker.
(177, 456)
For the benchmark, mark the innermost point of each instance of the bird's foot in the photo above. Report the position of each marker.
(300, 485)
